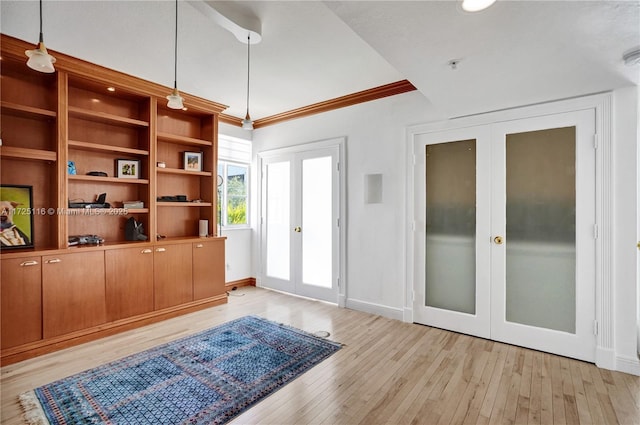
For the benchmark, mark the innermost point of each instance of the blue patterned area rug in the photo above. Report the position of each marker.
(207, 378)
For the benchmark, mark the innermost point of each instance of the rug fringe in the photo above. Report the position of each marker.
(32, 410)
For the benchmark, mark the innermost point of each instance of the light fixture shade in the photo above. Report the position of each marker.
(175, 100)
(476, 5)
(40, 59)
(247, 124)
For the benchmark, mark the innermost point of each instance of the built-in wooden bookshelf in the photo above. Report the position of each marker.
(96, 118)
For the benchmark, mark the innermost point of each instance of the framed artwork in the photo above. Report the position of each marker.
(193, 161)
(128, 168)
(16, 216)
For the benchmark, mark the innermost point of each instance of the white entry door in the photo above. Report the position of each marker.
(504, 239)
(299, 232)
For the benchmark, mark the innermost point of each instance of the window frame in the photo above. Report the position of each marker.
(223, 194)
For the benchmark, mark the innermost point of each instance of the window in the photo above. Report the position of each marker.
(234, 158)
(233, 193)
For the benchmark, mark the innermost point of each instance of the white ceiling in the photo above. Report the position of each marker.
(512, 54)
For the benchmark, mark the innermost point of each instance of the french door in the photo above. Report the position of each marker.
(299, 233)
(504, 242)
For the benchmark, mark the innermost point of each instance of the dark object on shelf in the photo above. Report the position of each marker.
(133, 230)
(176, 198)
(85, 240)
(97, 173)
(100, 202)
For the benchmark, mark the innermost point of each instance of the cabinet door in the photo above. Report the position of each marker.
(73, 292)
(129, 282)
(208, 269)
(21, 301)
(172, 275)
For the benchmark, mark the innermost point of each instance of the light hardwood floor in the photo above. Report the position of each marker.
(388, 372)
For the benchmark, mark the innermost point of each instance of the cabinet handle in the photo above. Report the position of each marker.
(29, 263)
(54, 260)
(199, 245)
(146, 251)
(160, 249)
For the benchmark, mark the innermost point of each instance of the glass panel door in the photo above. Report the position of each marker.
(452, 211)
(300, 237)
(543, 250)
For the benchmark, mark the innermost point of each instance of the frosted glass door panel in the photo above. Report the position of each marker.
(316, 231)
(541, 228)
(278, 220)
(451, 226)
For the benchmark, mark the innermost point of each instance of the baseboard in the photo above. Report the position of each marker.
(628, 365)
(248, 281)
(379, 309)
(407, 316)
(605, 358)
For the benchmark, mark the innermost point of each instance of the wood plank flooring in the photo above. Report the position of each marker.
(388, 372)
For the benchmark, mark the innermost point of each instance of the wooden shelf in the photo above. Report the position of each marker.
(26, 153)
(26, 111)
(104, 117)
(184, 172)
(107, 179)
(137, 210)
(182, 140)
(184, 204)
(97, 147)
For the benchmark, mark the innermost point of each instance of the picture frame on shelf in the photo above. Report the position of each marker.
(127, 168)
(193, 161)
(16, 214)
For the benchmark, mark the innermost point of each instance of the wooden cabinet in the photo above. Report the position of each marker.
(73, 292)
(172, 275)
(129, 282)
(208, 268)
(21, 293)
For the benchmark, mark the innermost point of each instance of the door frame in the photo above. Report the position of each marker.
(339, 144)
(601, 105)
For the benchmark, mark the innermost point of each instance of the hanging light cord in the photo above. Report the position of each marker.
(248, 65)
(41, 37)
(175, 53)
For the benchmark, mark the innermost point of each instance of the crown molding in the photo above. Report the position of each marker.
(368, 95)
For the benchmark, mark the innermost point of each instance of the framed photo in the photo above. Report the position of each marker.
(128, 168)
(193, 161)
(16, 216)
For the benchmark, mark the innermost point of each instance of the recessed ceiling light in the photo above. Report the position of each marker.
(111, 88)
(476, 5)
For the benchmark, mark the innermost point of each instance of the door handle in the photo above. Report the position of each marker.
(161, 249)
(29, 263)
(498, 240)
(146, 251)
(297, 229)
(54, 260)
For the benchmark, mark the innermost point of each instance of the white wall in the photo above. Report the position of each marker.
(375, 143)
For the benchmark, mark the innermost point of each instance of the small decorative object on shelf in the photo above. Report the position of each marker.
(71, 168)
(128, 168)
(16, 216)
(161, 165)
(193, 161)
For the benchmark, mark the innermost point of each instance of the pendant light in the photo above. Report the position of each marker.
(174, 99)
(39, 58)
(247, 123)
